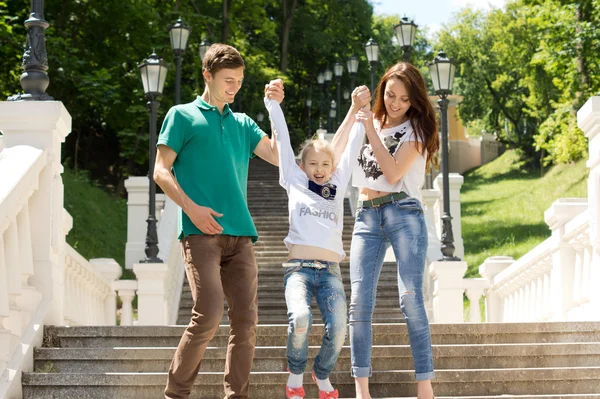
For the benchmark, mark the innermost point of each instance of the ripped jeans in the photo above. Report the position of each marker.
(301, 284)
(400, 224)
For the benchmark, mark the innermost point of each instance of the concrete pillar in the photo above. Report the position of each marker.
(494, 303)
(448, 290)
(152, 303)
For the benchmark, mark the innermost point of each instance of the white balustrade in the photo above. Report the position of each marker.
(42, 279)
(557, 280)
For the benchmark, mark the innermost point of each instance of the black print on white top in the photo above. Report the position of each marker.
(366, 159)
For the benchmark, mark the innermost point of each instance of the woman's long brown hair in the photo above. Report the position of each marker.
(421, 113)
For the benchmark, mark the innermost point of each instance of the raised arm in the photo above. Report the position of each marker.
(267, 148)
(287, 159)
(361, 97)
(350, 154)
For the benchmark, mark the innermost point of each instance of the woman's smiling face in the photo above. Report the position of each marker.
(396, 99)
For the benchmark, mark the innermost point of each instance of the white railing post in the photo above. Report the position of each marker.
(494, 303)
(588, 120)
(5, 334)
(448, 291)
(137, 213)
(563, 261)
(474, 289)
(126, 291)
(110, 269)
(152, 303)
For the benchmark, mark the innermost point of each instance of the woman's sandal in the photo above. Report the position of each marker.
(291, 392)
(324, 394)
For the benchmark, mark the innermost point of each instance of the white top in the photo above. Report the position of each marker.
(314, 220)
(367, 172)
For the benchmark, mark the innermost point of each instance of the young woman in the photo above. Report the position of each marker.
(316, 190)
(402, 138)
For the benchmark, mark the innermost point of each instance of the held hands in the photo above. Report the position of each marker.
(202, 217)
(274, 90)
(365, 116)
(361, 97)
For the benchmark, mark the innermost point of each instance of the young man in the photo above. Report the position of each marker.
(208, 148)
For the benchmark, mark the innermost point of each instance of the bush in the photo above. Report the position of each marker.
(560, 137)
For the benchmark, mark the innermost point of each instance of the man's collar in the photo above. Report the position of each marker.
(200, 103)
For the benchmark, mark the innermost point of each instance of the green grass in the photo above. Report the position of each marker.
(503, 204)
(99, 220)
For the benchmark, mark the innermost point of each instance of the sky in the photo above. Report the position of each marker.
(431, 13)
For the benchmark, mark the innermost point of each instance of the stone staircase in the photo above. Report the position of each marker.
(267, 201)
(521, 360)
(524, 360)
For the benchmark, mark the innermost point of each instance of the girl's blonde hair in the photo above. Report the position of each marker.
(317, 145)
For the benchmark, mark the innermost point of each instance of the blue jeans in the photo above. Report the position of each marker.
(401, 224)
(301, 284)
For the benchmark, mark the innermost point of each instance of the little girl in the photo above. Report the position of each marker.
(316, 191)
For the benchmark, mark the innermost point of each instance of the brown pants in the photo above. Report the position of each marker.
(217, 266)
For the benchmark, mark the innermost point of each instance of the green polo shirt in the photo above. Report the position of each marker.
(213, 151)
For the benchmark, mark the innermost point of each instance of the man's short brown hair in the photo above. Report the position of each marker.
(221, 56)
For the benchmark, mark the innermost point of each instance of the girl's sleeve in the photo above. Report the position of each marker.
(350, 155)
(287, 160)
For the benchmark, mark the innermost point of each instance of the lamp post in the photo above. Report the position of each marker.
(308, 104)
(179, 33)
(352, 64)
(34, 79)
(338, 70)
(442, 74)
(406, 31)
(320, 81)
(332, 113)
(203, 48)
(346, 96)
(372, 49)
(328, 75)
(154, 73)
(259, 118)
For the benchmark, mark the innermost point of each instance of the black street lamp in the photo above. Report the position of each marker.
(308, 104)
(372, 49)
(203, 48)
(338, 70)
(442, 74)
(179, 33)
(406, 31)
(332, 113)
(154, 74)
(352, 64)
(320, 81)
(34, 79)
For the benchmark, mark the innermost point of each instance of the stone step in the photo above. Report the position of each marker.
(270, 292)
(383, 334)
(569, 380)
(267, 359)
(278, 315)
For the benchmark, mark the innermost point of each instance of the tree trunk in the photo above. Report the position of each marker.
(288, 16)
(582, 70)
(226, 20)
